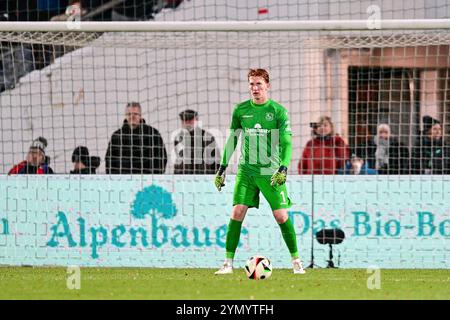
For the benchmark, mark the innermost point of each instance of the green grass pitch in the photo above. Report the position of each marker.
(202, 284)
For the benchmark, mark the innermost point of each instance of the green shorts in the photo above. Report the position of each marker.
(247, 188)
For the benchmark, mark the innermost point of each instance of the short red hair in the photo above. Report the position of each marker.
(258, 73)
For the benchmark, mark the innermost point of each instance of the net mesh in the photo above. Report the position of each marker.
(280, 40)
(360, 79)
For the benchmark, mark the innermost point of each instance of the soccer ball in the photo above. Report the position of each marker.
(258, 268)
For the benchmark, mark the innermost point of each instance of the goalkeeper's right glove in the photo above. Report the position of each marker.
(220, 178)
(279, 177)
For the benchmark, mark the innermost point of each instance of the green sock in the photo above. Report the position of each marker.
(288, 232)
(233, 234)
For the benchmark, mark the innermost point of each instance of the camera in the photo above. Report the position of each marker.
(314, 125)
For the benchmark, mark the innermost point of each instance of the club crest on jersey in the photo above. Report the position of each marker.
(269, 116)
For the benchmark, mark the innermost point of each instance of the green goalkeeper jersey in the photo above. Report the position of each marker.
(265, 137)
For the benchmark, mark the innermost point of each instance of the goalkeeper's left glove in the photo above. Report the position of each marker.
(279, 177)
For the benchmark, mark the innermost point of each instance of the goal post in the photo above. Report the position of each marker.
(270, 25)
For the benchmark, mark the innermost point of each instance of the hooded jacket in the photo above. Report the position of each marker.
(136, 151)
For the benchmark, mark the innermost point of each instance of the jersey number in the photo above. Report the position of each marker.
(283, 196)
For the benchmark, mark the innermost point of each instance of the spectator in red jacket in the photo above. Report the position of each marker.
(37, 162)
(326, 152)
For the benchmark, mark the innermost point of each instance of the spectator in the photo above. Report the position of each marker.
(196, 150)
(100, 10)
(431, 154)
(136, 147)
(326, 152)
(78, 9)
(358, 166)
(384, 152)
(37, 162)
(82, 162)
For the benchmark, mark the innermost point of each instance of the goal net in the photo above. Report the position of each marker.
(359, 78)
(361, 82)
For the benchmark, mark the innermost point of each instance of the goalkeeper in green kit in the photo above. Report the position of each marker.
(266, 136)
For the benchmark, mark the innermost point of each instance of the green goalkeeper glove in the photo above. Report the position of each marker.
(220, 178)
(279, 177)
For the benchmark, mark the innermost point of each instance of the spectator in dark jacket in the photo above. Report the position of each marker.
(37, 162)
(431, 154)
(195, 149)
(136, 147)
(82, 162)
(326, 152)
(385, 153)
